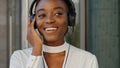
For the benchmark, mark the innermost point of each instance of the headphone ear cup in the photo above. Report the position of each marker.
(31, 19)
(71, 20)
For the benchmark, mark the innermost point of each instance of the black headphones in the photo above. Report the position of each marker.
(71, 13)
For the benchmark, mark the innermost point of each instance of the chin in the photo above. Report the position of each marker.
(50, 39)
(53, 40)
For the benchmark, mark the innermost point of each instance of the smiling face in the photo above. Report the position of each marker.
(51, 20)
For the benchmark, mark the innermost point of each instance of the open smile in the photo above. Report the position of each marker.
(50, 29)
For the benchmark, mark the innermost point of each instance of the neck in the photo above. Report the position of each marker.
(54, 43)
(54, 54)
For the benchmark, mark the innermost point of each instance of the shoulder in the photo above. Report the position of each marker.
(77, 55)
(22, 53)
(19, 58)
(81, 53)
(82, 58)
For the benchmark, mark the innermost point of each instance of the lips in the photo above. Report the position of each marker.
(50, 29)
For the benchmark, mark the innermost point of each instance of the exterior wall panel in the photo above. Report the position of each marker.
(103, 37)
(3, 34)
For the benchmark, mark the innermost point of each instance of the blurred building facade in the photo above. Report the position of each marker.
(97, 29)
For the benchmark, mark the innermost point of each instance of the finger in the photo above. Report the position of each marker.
(28, 23)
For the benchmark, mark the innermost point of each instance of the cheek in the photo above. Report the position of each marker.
(63, 20)
(64, 27)
(39, 26)
(39, 23)
(64, 30)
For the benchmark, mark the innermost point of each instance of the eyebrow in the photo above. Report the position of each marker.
(42, 9)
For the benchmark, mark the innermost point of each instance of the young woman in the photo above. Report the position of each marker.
(52, 18)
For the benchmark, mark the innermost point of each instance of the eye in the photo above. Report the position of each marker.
(42, 16)
(58, 14)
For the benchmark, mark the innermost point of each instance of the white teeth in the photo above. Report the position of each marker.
(50, 29)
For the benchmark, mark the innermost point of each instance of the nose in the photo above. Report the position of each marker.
(50, 19)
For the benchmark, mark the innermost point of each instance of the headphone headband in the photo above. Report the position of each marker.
(31, 7)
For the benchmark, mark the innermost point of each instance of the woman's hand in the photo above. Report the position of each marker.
(33, 38)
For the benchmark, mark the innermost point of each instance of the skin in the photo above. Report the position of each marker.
(49, 14)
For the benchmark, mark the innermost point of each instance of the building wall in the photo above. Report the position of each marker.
(3, 34)
(103, 31)
(10, 32)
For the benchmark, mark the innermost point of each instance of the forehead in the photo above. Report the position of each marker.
(50, 4)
